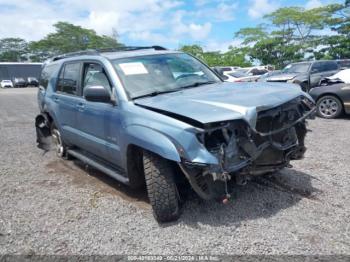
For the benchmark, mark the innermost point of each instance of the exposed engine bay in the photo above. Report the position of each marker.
(243, 152)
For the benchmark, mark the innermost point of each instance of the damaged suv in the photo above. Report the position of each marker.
(160, 118)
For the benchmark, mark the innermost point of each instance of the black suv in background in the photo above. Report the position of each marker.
(32, 81)
(306, 74)
(19, 82)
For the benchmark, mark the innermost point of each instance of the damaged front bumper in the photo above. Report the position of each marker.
(243, 151)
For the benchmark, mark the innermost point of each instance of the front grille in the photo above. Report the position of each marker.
(282, 116)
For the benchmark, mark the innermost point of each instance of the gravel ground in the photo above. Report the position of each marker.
(51, 206)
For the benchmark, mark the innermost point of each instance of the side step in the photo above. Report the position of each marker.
(103, 168)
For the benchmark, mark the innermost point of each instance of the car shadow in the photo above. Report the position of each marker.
(82, 175)
(262, 197)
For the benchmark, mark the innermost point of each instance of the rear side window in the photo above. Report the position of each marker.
(317, 67)
(69, 79)
(46, 74)
(330, 66)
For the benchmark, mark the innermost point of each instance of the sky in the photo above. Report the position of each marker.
(170, 23)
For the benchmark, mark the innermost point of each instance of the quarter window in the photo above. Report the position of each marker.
(69, 79)
(46, 74)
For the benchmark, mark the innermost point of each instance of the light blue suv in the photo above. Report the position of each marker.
(160, 118)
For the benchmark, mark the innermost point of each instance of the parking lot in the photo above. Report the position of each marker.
(51, 206)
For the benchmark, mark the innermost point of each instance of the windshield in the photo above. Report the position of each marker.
(155, 74)
(297, 68)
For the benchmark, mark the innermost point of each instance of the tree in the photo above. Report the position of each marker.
(234, 57)
(337, 45)
(291, 34)
(70, 38)
(13, 49)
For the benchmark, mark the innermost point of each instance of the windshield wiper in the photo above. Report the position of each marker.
(155, 93)
(198, 84)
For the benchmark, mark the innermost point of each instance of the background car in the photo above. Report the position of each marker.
(239, 76)
(342, 76)
(332, 100)
(6, 83)
(344, 63)
(19, 82)
(32, 81)
(306, 74)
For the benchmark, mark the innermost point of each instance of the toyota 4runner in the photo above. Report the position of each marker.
(160, 118)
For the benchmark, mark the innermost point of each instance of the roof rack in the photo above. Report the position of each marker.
(107, 50)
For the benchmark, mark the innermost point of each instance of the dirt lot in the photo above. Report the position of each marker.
(50, 206)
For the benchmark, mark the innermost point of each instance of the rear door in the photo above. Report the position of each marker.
(66, 98)
(99, 123)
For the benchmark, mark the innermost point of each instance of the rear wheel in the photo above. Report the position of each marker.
(161, 187)
(59, 146)
(329, 107)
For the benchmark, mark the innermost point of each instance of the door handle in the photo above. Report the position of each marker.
(56, 99)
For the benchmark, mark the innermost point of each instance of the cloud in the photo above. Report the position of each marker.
(313, 4)
(222, 46)
(259, 8)
(140, 20)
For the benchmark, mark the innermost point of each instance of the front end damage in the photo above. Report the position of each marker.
(243, 151)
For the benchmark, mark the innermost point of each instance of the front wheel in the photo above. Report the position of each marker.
(329, 107)
(161, 187)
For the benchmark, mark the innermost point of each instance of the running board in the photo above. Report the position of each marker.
(107, 170)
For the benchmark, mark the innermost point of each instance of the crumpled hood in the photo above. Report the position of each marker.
(224, 101)
(282, 77)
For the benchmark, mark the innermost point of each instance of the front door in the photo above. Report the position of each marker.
(98, 123)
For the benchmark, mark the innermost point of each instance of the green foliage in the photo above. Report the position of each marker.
(337, 45)
(294, 33)
(235, 56)
(13, 49)
(70, 38)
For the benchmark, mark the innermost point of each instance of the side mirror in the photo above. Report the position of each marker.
(97, 94)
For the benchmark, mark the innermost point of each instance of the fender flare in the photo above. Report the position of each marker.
(153, 141)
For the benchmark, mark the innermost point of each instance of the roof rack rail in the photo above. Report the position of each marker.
(107, 50)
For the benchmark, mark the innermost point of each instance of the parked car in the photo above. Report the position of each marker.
(19, 82)
(263, 77)
(306, 74)
(163, 118)
(344, 63)
(342, 76)
(253, 71)
(6, 83)
(332, 100)
(240, 77)
(32, 81)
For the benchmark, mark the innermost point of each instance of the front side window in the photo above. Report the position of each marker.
(154, 74)
(330, 66)
(95, 75)
(69, 79)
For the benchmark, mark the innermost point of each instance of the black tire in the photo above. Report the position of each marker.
(335, 107)
(161, 187)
